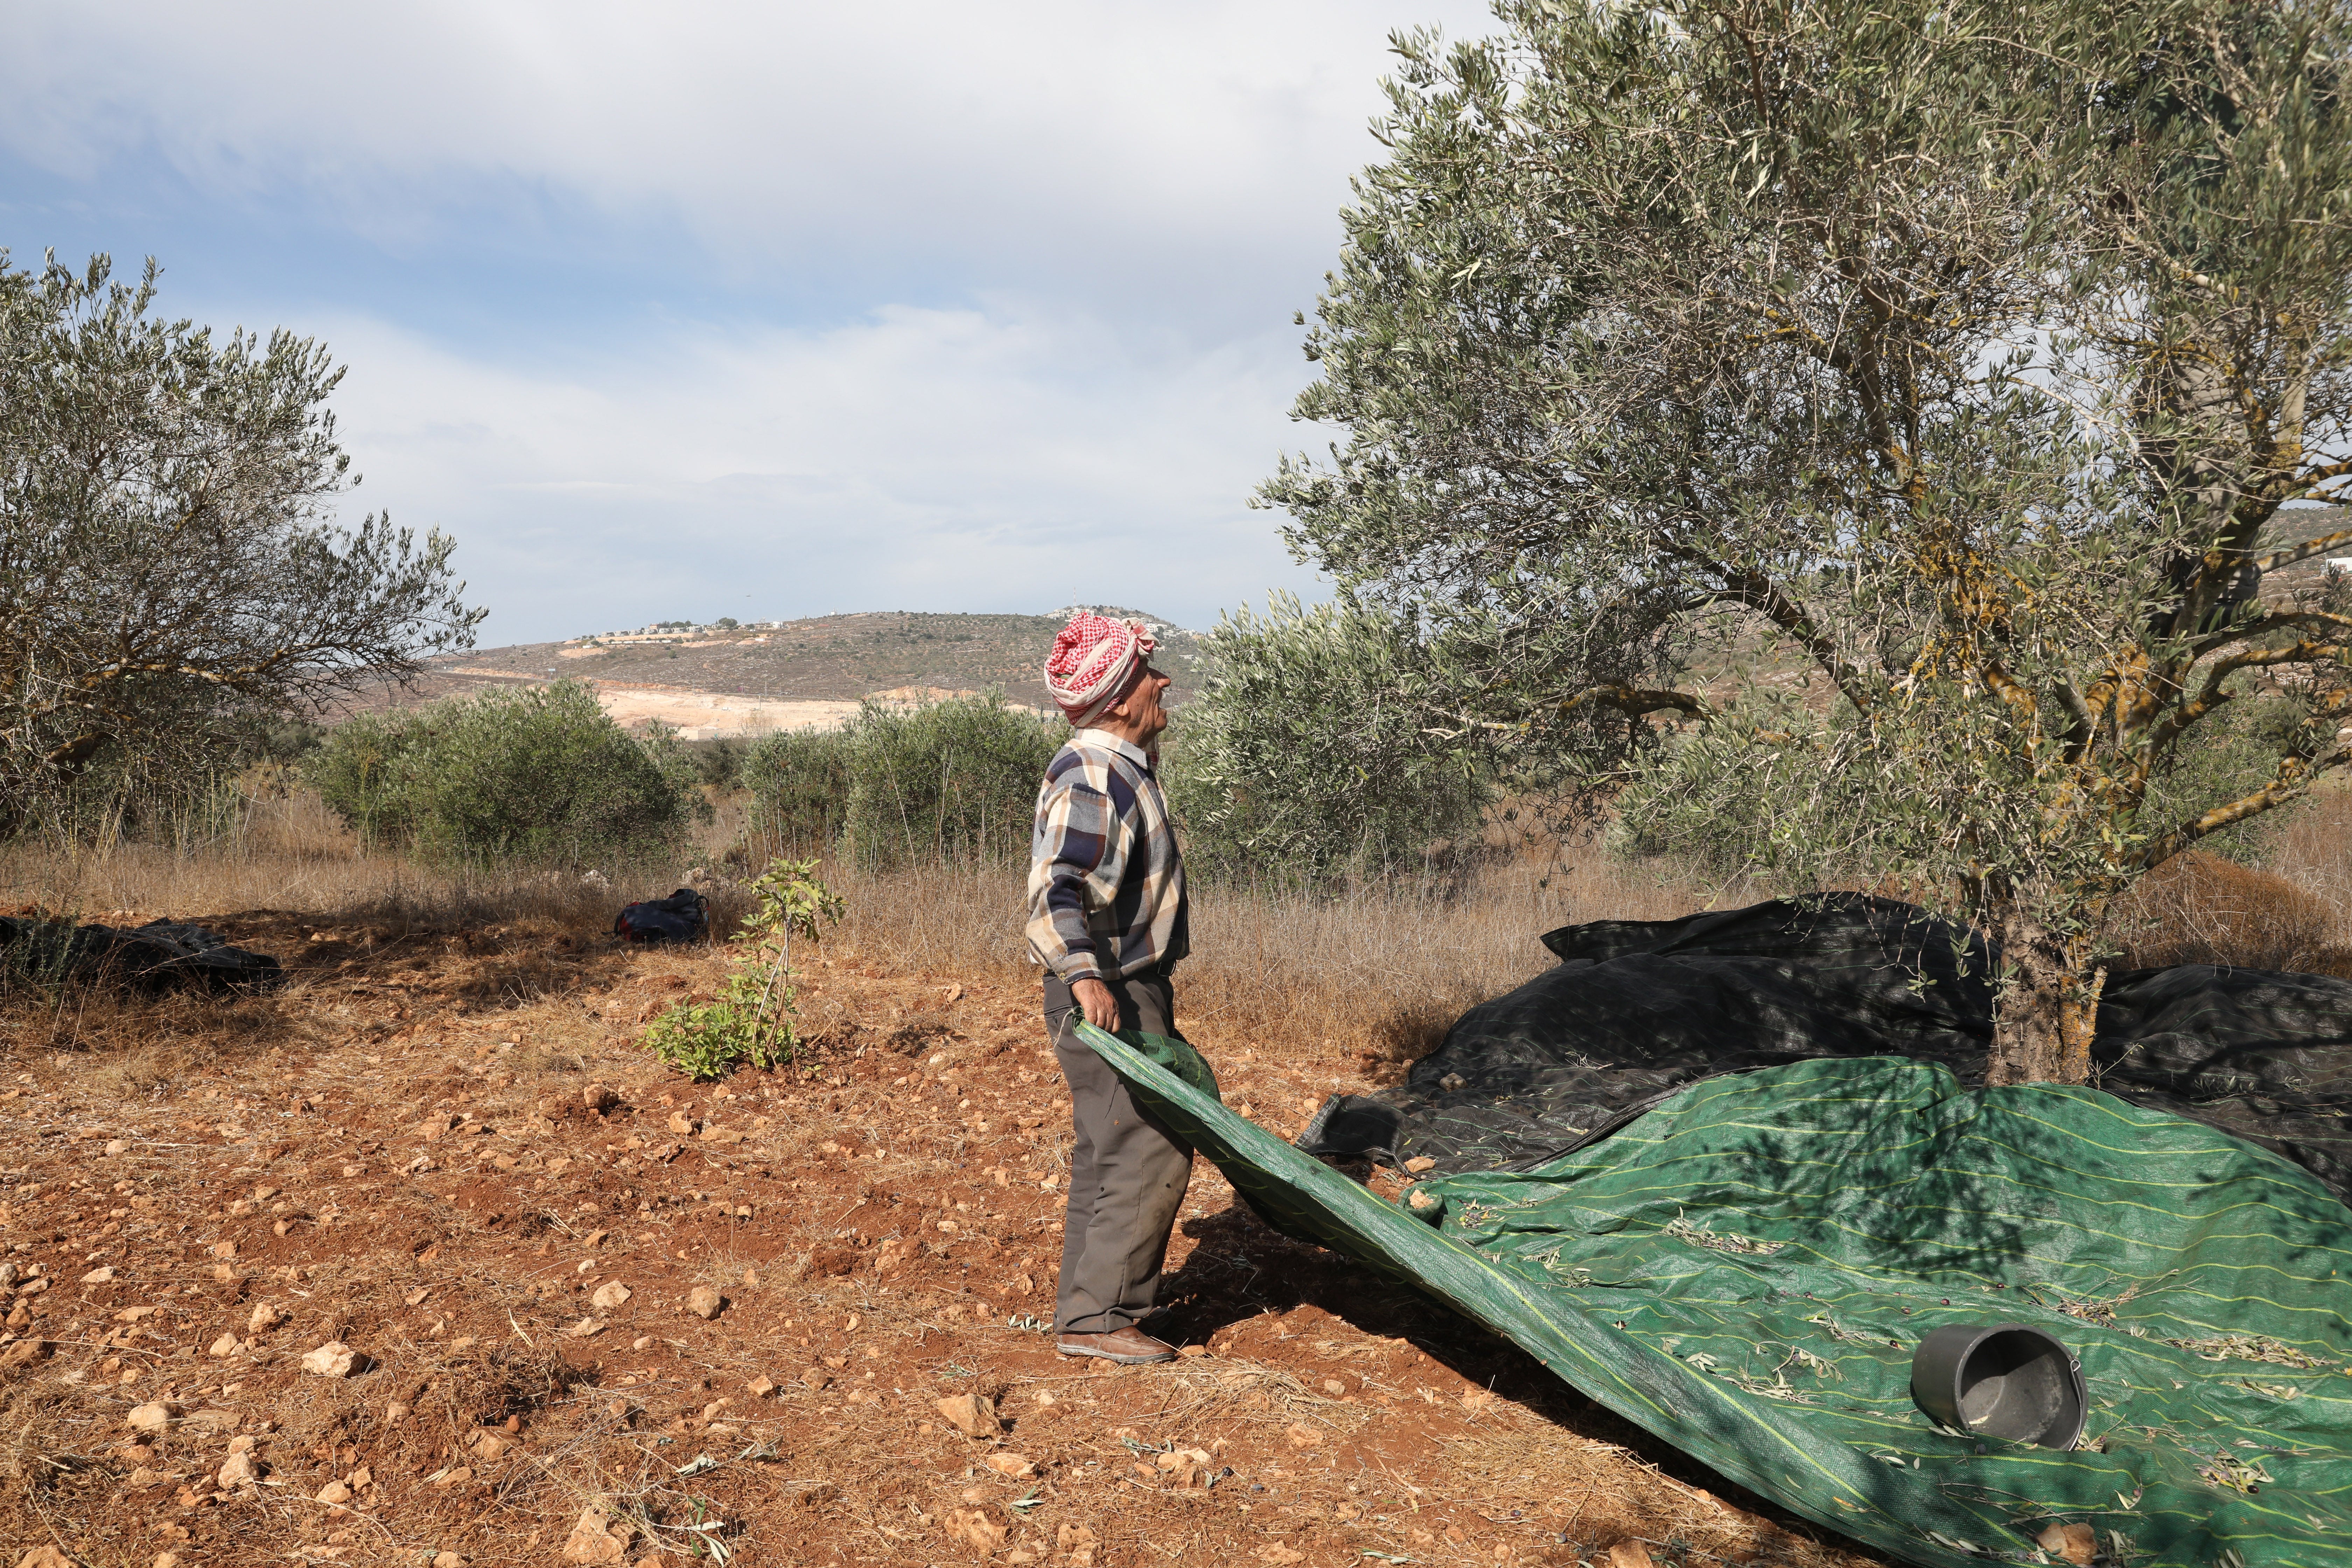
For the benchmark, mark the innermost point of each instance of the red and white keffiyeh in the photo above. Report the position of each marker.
(1094, 662)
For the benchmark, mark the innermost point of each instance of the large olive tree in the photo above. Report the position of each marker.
(168, 573)
(1960, 357)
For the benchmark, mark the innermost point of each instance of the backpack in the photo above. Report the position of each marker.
(684, 915)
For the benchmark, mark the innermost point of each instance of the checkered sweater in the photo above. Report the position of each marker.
(1106, 882)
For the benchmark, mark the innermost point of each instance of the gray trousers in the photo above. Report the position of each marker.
(1128, 1175)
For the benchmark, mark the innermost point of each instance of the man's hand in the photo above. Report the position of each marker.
(1095, 1000)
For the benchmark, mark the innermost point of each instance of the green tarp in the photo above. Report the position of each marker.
(1745, 1270)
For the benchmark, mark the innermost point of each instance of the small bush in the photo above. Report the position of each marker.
(751, 1025)
(542, 775)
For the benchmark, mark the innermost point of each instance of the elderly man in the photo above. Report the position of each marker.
(1107, 919)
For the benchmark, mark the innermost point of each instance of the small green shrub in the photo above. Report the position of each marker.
(541, 774)
(751, 1025)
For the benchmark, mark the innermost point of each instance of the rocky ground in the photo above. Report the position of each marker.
(424, 1260)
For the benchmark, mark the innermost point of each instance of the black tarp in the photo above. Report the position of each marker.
(158, 956)
(1636, 1009)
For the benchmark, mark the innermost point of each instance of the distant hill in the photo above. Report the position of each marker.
(823, 659)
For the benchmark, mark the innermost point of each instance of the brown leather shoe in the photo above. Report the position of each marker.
(1130, 1346)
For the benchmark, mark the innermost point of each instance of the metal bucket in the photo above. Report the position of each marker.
(2004, 1380)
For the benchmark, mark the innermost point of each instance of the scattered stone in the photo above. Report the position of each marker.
(2072, 1543)
(224, 1250)
(592, 1542)
(224, 1346)
(761, 1386)
(680, 1122)
(333, 1359)
(1275, 1552)
(490, 1444)
(1628, 1554)
(99, 1276)
(142, 1477)
(333, 1493)
(454, 1478)
(974, 1414)
(237, 1472)
(586, 1328)
(153, 1417)
(1301, 1435)
(598, 1098)
(44, 1556)
(34, 1287)
(358, 1480)
(1335, 1388)
(977, 1530)
(24, 1352)
(704, 1301)
(610, 1295)
(134, 1314)
(1020, 1466)
(118, 1146)
(448, 1560)
(1419, 1163)
(1077, 1542)
(167, 1559)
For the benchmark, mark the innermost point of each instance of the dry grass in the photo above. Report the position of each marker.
(1377, 974)
(2291, 911)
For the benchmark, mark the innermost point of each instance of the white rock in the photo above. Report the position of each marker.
(333, 1359)
(237, 1471)
(610, 1295)
(99, 1276)
(264, 1318)
(149, 1418)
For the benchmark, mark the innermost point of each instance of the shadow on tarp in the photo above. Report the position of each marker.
(1745, 1269)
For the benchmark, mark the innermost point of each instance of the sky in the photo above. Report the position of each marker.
(706, 308)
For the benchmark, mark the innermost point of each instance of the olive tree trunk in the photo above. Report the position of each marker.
(2047, 1011)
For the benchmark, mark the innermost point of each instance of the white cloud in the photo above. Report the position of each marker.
(1049, 137)
(928, 459)
(1007, 286)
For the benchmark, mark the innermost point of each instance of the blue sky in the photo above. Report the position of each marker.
(709, 309)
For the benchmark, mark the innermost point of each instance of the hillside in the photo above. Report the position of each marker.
(712, 680)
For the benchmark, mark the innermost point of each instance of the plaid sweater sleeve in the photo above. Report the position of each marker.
(1076, 841)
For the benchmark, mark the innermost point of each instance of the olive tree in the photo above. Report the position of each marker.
(1958, 363)
(170, 576)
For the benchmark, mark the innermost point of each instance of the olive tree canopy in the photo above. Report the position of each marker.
(168, 573)
(1966, 358)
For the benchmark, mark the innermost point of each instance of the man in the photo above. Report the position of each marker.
(1107, 919)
